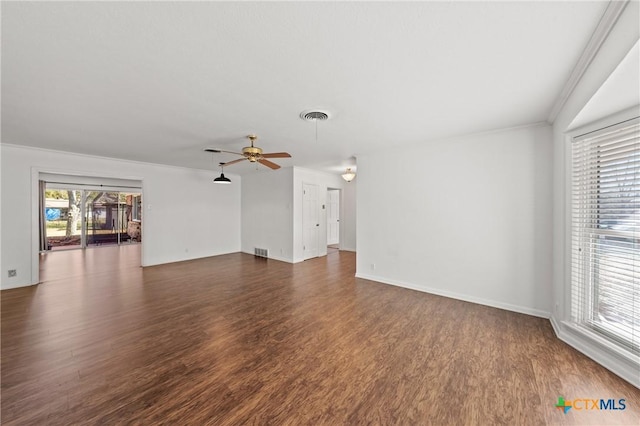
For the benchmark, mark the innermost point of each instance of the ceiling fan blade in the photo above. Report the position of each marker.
(232, 162)
(217, 151)
(269, 164)
(277, 155)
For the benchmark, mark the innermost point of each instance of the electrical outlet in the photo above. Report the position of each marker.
(13, 273)
(373, 266)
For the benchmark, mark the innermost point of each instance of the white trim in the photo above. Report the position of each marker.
(462, 136)
(270, 257)
(590, 344)
(614, 361)
(186, 259)
(607, 22)
(594, 337)
(613, 119)
(36, 171)
(278, 258)
(608, 121)
(35, 226)
(554, 325)
(321, 248)
(125, 160)
(566, 224)
(480, 301)
(90, 187)
(340, 216)
(9, 286)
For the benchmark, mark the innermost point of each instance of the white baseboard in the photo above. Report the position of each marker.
(279, 259)
(494, 304)
(622, 366)
(4, 286)
(554, 325)
(619, 365)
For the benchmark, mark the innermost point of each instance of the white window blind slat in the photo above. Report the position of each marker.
(605, 240)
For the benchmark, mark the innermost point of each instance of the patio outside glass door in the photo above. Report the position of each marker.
(62, 216)
(103, 219)
(76, 218)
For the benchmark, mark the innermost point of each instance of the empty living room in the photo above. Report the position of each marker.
(320, 212)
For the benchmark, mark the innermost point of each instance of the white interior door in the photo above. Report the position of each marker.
(310, 221)
(333, 217)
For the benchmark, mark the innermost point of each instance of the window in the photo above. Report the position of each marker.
(605, 245)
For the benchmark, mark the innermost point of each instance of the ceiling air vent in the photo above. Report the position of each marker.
(314, 115)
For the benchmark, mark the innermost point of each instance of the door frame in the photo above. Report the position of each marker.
(318, 220)
(36, 173)
(339, 190)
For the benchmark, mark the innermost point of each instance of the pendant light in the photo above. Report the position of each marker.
(222, 178)
(348, 175)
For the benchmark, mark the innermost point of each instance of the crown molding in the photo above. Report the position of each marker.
(607, 22)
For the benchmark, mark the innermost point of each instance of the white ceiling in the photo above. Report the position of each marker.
(160, 81)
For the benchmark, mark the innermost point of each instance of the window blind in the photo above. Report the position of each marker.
(605, 228)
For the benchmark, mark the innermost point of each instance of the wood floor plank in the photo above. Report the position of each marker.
(236, 339)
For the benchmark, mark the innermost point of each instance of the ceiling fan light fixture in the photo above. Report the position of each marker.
(348, 175)
(222, 179)
(251, 153)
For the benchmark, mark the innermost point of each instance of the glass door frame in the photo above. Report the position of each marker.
(120, 211)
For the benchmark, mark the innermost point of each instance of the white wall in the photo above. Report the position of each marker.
(2, 269)
(186, 215)
(622, 38)
(468, 218)
(348, 216)
(267, 213)
(272, 211)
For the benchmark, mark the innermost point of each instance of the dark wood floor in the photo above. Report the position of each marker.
(236, 339)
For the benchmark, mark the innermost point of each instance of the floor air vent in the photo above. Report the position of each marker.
(260, 252)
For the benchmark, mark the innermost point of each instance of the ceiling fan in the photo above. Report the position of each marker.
(253, 154)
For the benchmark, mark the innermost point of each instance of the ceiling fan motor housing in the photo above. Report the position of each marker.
(252, 153)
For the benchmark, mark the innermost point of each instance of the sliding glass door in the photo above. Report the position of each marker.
(102, 218)
(62, 216)
(78, 218)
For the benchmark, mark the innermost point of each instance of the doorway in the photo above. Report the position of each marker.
(310, 221)
(333, 220)
(81, 218)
